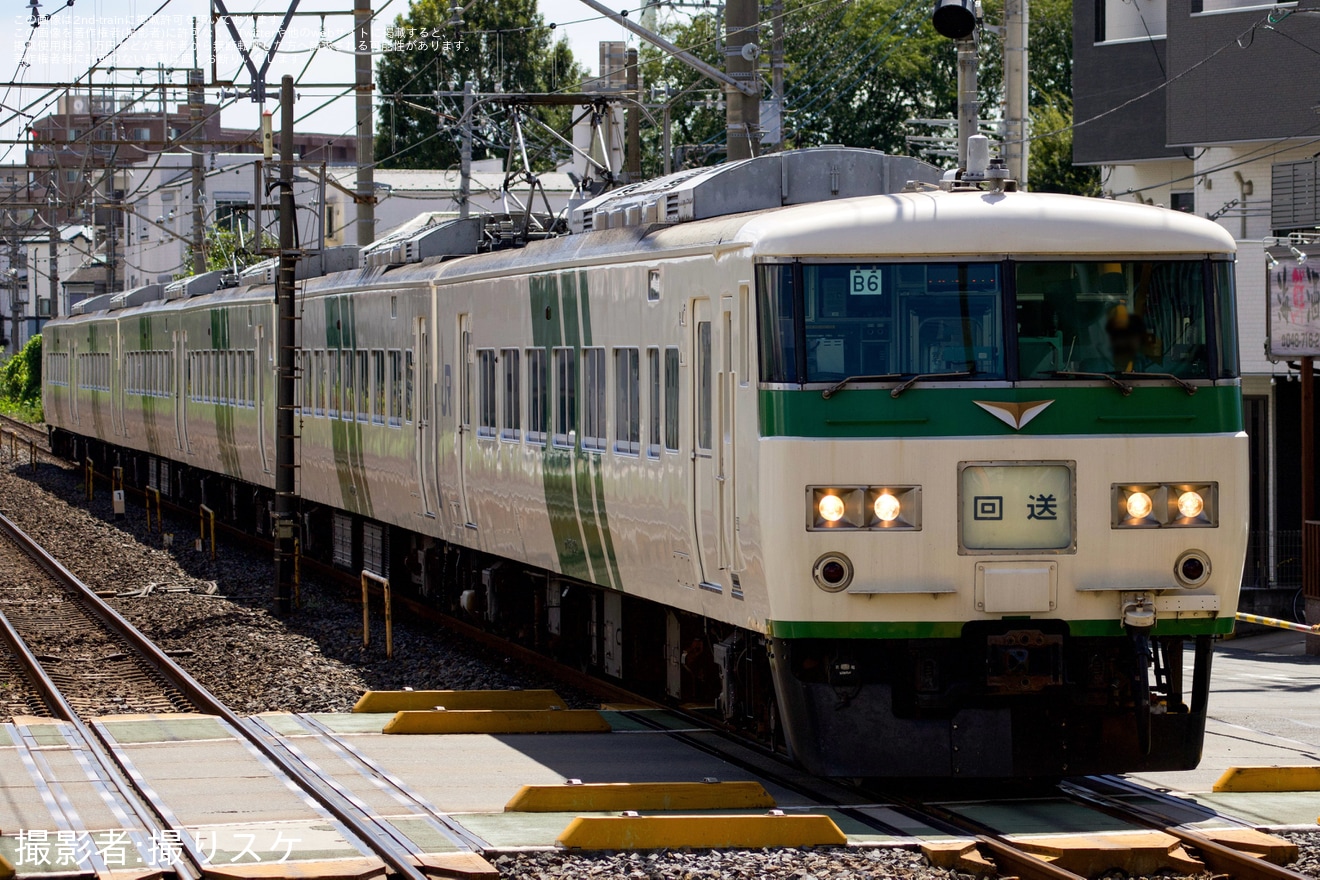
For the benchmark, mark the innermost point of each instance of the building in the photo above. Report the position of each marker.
(1198, 105)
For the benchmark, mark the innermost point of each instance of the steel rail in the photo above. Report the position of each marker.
(143, 811)
(390, 852)
(1218, 857)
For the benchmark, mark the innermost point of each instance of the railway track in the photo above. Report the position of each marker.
(868, 808)
(146, 820)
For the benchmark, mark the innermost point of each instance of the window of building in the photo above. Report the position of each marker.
(537, 395)
(512, 425)
(1183, 201)
(593, 398)
(627, 401)
(486, 392)
(1117, 20)
(565, 396)
(671, 399)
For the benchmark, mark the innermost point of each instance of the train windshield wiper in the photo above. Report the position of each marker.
(1142, 374)
(1079, 374)
(917, 378)
(838, 386)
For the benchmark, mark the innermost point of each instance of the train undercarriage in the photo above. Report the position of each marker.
(1020, 698)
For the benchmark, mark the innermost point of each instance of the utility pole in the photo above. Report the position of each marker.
(366, 187)
(286, 463)
(633, 167)
(196, 97)
(743, 113)
(465, 150)
(1016, 19)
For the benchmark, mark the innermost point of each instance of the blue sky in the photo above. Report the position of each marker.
(76, 36)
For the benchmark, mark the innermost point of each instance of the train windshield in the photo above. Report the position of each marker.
(831, 322)
(890, 320)
(1113, 317)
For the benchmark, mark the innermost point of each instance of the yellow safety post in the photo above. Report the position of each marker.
(160, 514)
(202, 513)
(89, 471)
(389, 619)
(1275, 622)
(12, 437)
(297, 573)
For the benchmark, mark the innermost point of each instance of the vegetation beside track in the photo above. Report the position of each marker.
(20, 384)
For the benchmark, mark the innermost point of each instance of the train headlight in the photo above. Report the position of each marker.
(1135, 505)
(1139, 505)
(1164, 505)
(1190, 504)
(863, 507)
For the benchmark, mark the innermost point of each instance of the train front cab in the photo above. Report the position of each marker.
(1005, 566)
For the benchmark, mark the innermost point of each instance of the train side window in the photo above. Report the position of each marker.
(350, 394)
(537, 395)
(593, 403)
(485, 392)
(408, 368)
(512, 424)
(252, 376)
(627, 401)
(704, 385)
(363, 386)
(316, 387)
(653, 402)
(671, 399)
(396, 387)
(380, 393)
(332, 375)
(565, 397)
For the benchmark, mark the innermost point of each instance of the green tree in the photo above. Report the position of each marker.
(856, 72)
(501, 46)
(224, 250)
(20, 382)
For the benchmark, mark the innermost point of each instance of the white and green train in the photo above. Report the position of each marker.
(920, 479)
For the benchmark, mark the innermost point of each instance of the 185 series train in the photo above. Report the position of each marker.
(920, 478)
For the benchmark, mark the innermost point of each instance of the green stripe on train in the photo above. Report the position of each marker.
(833, 629)
(572, 478)
(953, 412)
(346, 434)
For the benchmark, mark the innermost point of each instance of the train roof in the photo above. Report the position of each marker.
(939, 223)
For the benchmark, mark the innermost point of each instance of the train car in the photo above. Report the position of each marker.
(916, 477)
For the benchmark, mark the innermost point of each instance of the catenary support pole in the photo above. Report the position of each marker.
(743, 111)
(465, 151)
(286, 524)
(366, 186)
(634, 122)
(1016, 117)
(968, 107)
(196, 97)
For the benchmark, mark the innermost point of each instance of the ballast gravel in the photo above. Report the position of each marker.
(216, 617)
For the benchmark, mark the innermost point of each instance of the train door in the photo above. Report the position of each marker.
(465, 435)
(707, 473)
(425, 444)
